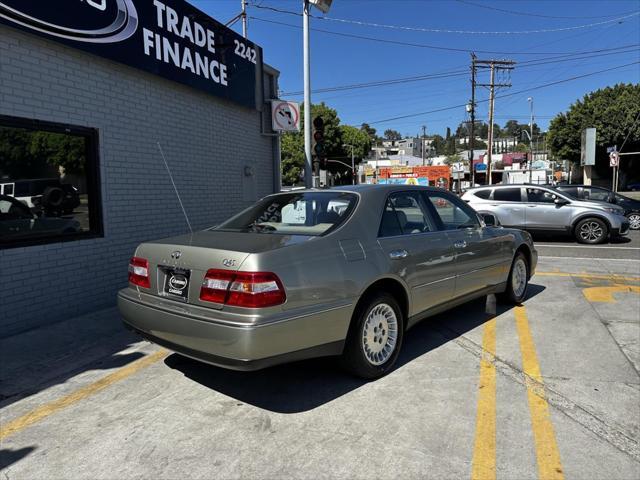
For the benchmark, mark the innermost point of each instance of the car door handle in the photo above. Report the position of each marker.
(461, 244)
(531, 206)
(398, 254)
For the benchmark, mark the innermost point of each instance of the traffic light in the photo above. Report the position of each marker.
(318, 146)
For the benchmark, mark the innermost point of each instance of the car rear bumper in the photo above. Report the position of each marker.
(238, 347)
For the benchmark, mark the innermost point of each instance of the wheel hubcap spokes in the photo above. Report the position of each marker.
(519, 278)
(591, 231)
(634, 222)
(380, 334)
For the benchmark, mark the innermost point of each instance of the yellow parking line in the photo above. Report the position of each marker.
(547, 454)
(61, 403)
(614, 277)
(484, 453)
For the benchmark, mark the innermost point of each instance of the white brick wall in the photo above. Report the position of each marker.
(207, 142)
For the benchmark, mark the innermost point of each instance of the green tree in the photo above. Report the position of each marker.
(613, 112)
(356, 137)
(521, 147)
(451, 159)
(438, 144)
(371, 132)
(292, 143)
(390, 134)
(292, 153)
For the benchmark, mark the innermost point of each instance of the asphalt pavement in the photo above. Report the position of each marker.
(549, 390)
(622, 248)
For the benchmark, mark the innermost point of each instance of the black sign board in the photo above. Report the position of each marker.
(169, 38)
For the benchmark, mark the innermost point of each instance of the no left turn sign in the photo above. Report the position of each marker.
(285, 116)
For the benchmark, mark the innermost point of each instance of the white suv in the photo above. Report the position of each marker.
(544, 209)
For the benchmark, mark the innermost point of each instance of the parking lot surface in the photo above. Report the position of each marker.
(548, 389)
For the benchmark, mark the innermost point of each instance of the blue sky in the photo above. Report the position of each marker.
(339, 60)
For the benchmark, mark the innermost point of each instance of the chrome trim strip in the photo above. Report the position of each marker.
(435, 281)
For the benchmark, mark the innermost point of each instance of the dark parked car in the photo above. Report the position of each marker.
(589, 192)
(49, 195)
(17, 221)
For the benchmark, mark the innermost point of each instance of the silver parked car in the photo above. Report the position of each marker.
(310, 273)
(545, 209)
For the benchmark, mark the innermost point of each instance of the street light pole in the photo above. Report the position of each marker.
(244, 18)
(353, 165)
(308, 181)
(530, 100)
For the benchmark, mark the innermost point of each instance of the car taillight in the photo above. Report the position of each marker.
(139, 272)
(242, 289)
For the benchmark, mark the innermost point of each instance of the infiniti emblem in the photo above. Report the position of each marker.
(176, 255)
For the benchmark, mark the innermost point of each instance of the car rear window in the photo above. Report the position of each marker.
(295, 213)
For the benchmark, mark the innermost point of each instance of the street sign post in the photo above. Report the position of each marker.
(614, 159)
(614, 162)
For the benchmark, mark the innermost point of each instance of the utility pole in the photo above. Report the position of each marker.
(530, 100)
(424, 131)
(490, 134)
(308, 180)
(244, 18)
(494, 66)
(472, 112)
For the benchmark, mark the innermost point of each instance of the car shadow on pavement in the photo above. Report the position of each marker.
(9, 457)
(305, 385)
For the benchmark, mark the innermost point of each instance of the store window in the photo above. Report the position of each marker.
(49, 185)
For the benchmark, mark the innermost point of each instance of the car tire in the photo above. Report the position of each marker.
(634, 220)
(591, 230)
(375, 337)
(517, 281)
(52, 197)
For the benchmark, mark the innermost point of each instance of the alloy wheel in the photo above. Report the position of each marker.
(380, 334)
(591, 231)
(634, 221)
(519, 277)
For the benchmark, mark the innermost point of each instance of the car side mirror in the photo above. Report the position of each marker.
(560, 201)
(490, 220)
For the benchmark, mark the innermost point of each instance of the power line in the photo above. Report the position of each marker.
(398, 42)
(460, 73)
(537, 87)
(442, 30)
(526, 14)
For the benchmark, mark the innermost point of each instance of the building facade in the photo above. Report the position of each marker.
(130, 128)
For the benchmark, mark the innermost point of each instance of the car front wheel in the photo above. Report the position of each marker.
(634, 220)
(591, 230)
(375, 337)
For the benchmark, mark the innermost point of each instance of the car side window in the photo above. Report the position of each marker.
(404, 214)
(484, 194)
(571, 191)
(595, 194)
(451, 212)
(507, 194)
(538, 195)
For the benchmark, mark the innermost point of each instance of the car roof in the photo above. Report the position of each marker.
(510, 185)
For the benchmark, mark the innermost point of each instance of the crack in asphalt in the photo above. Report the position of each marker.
(576, 412)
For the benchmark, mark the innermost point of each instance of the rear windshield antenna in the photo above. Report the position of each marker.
(174, 187)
